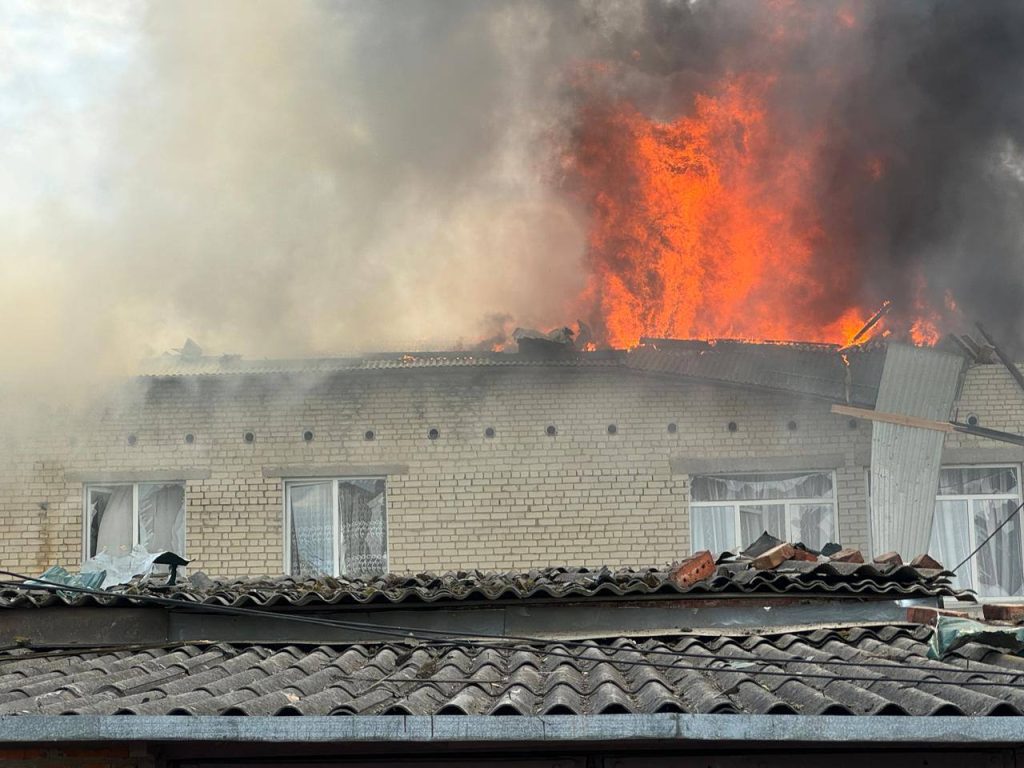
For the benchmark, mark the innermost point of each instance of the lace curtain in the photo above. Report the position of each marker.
(110, 519)
(713, 528)
(363, 514)
(312, 528)
(755, 520)
(162, 517)
(816, 485)
(998, 563)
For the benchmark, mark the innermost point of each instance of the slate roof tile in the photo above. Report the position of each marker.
(787, 672)
(831, 579)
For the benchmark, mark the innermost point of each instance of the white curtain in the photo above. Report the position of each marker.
(713, 529)
(312, 524)
(999, 572)
(756, 519)
(162, 517)
(975, 481)
(951, 539)
(110, 519)
(813, 525)
(363, 513)
(815, 485)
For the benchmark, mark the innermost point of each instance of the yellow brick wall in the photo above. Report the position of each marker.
(522, 499)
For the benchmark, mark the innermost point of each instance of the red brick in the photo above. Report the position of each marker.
(919, 614)
(847, 556)
(889, 558)
(1004, 612)
(926, 561)
(804, 555)
(774, 557)
(693, 569)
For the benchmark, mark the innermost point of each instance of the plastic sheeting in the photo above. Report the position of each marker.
(952, 632)
(120, 569)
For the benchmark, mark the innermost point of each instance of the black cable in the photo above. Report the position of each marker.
(988, 538)
(470, 640)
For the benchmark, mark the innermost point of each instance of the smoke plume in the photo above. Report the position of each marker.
(304, 178)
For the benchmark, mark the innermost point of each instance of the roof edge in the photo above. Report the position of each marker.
(577, 729)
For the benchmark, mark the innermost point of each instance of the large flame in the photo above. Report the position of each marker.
(706, 225)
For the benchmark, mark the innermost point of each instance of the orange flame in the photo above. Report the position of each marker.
(705, 225)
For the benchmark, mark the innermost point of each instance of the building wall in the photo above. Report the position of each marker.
(521, 499)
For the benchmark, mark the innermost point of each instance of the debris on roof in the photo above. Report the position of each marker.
(553, 344)
(866, 671)
(814, 370)
(953, 632)
(733, 574)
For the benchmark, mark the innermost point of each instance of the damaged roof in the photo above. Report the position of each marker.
(862, 671)
(816, 370)
(833, 579)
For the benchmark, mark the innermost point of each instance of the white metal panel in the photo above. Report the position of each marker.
(920, 382)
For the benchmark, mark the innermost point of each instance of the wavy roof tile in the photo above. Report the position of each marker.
(792, 577)
(862, 671)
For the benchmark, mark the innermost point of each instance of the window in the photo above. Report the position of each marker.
(119, 516)
(970, 505)
(729, 512)
(336, 527)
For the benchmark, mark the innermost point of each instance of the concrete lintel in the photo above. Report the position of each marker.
(335, 470)
(997, 454)
(701, 465)
(566, 729)
(137, 475)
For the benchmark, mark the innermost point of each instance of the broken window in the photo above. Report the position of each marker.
(119, 516)
(971, 504)
(336, 527)
(729, 512)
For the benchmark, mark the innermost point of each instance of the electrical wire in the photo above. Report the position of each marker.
(503, 642)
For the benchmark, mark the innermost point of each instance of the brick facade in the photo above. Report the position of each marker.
(521, 499)
(518, 500)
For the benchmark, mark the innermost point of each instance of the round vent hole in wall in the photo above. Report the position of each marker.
(307, 436)
(433, 434)
(249, 437)
(973, 420)
(612, 429)
(190, 439)
(732, 426)
(370, 435)
(132, 439)
(791, 426)
(551, 431)
(673, 428)
(489, 432)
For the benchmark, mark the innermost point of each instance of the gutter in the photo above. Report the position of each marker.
(552, 729)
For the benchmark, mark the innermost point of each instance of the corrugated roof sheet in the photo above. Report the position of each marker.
(792, 577)
(766, 674)
(819, 370)
(175, 365)
(905, 461)
(816, 370)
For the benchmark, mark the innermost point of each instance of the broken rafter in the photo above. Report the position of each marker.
(882, 312)
(936, 426)
(1003, 357)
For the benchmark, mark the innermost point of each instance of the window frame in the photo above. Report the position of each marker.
(86, 522)
(1017, 498)
(288, 482)
(787, 503)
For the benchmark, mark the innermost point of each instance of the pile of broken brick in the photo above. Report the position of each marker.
(769, 554)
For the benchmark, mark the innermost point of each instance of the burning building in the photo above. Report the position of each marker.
(413, 462)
